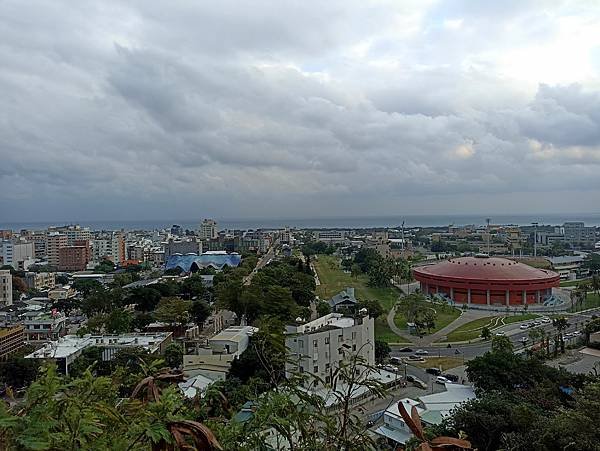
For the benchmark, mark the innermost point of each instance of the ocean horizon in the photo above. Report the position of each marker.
(590, 219)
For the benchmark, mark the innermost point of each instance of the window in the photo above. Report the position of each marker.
(354, 347)
(340, 338)
(327, 366)
(327, 379)
(315, 343)
(316, 369)
(301, 344)
(354, 335)
(326, 340)
(301, 368)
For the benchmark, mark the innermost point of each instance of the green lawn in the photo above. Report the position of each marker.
(592, 300)
(445, 315)
(333, 280)
(573, 283)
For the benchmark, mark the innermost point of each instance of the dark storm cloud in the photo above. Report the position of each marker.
(286, 109)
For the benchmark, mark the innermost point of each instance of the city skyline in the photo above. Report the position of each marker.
(284, 110)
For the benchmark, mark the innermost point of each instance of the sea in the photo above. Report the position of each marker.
(590, 219)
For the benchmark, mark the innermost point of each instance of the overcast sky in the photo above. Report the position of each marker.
(151, 110)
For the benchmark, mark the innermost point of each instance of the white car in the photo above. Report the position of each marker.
(442, 380)
(524, 326)
(546, 320)
(523, 340)
(500, 334)
(421, 352)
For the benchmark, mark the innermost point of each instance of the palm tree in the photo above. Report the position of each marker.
(561, 324)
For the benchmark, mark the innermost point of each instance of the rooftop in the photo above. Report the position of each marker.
(489, 268)
(235, 333)
(332, 320)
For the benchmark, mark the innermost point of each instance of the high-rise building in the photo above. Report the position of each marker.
(176, 230)
(5, 287)
(192, 246)
(208, 229)
(16, 254)
(111, 247)
(75, 257)
(54, 242)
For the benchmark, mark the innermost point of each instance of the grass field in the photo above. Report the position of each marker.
(472, 329)
(573, 283)
(592, 300)
(445, 363)
(333, 280)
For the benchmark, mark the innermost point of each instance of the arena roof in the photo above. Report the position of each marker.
(217, 261)
(486, 268)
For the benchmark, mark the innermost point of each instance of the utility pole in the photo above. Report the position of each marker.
(535, 225)
(488, 235)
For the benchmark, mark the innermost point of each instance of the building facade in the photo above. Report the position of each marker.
(208, 230)
(487, 281)
(6, 294)
(11, 340)
(54, 242)
(318, 347)
(40, 280)
(75, 257)
(578, 235)
(19, 255)
(182, 247)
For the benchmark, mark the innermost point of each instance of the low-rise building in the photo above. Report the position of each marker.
(331, 236)
(569, 267)
(317, 347)
(343, 301)
(11, 339)
(40, 280)
(20, 255)
(44, 326)
(214, 360)
(182, 247)
(66, 349)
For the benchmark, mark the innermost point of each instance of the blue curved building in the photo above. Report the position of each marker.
(193, 262)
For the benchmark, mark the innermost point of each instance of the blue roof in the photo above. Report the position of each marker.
(217, 261)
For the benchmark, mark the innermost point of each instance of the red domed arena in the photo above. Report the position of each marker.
(484, 280)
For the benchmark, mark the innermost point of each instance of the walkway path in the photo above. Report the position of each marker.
(391, 323)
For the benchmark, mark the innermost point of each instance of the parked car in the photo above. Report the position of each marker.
(421, 352)
(523, 340)
(451, 377)
(391, 368)
(442, 380)
(406, 350)
(546, 320)
(419, 383)
(434, 371)
(395, 360)
(524, 326)
(500, 334)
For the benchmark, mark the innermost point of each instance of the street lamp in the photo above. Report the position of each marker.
(535, 225)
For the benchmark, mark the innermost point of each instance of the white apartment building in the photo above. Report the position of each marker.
(19, 255)
(183, 247)
(318, 347)
(109, 246)
(73, 233)
(5, 287)
(208, 229)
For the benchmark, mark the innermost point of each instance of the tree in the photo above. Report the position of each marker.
(373, 307)
(355, 270)
(561, 324)
(145, 298)
(173, 311)
(105, 266)
(174, 355)
(382, 351)
(18, 287)
(61, 279)
(119, 321)
(200, 311)
(502, 344)
(193, 287)
(323, 308)
(486, 334)
(87, 286)
(17, 371)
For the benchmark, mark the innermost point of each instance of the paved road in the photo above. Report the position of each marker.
(512, 331)
(263, 261)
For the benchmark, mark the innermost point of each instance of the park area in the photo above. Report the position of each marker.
(333, 279)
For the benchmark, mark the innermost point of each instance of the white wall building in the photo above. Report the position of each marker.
(317, 347)
(208, 229)
(19, 255)
(66, 349)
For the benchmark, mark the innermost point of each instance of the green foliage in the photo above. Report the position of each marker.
(382, 351)
(373, 307)
(174, 355)
(105, 266)
(323, 308)
(119, 321)
(192, 287)
(173, 311)
(200, 311)
(145, 298)
(486, 334)
(17, 371)
(317, 247)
